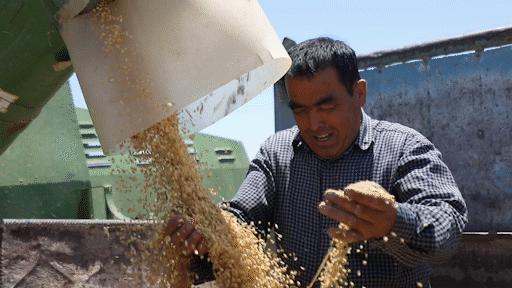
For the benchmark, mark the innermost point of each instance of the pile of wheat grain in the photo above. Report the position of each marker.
(333, 270)
(238, 256)
(173, 186)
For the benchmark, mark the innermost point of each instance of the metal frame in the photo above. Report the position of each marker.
(472, 42)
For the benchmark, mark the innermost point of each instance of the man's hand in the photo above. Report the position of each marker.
(185, 236)
(365, 207)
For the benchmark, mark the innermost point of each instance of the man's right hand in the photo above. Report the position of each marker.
(185, 236)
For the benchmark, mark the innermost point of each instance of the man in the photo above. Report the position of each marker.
(333, 145)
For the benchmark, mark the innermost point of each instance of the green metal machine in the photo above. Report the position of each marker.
(34, 64)
(56, 168)
(116, 183)
(51, 161)
(43, 173)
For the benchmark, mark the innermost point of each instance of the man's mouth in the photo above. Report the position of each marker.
(322, 137)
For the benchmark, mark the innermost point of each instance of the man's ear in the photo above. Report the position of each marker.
(360, 92)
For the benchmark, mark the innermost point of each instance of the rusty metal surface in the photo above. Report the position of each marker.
(74, 254)
(472, 42)
(462, 104)
(68, 254)
(93, 254)
(482, 261)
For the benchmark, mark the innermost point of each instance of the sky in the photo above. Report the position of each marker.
(367, 26)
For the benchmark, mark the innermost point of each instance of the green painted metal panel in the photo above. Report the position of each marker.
(223, 164)
(43, 173)
(31, 46)
(117, 184)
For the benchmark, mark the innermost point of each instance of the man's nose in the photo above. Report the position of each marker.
(315, 120)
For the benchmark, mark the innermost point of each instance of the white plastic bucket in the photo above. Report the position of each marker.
(202, 58)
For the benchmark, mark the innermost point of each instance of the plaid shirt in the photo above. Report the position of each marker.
(286, 181)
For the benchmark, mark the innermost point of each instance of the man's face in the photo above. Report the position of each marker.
(328, 117)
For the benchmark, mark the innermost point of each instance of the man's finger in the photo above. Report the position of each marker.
(348, 236)
(374, 201)
(327, 209)
(193, 241)
(353, 207)
(179, 237)
(335, 197)
(174, 224)
(202, 248)
(344, 217)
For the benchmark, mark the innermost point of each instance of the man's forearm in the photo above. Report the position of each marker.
(424, 234)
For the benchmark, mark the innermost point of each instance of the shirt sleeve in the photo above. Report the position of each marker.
(253, 203)
(431, 212)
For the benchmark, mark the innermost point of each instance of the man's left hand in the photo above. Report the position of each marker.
(365, 207)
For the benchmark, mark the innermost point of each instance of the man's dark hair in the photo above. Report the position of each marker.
(316, 54)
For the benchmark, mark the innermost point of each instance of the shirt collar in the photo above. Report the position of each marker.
(297, 139)
(364, 138)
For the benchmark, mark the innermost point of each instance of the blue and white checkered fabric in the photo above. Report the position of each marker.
(286, 181)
